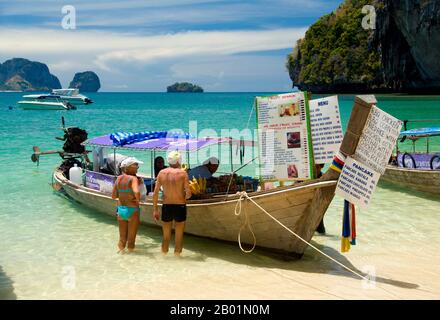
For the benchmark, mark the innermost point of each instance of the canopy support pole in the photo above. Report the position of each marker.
(114, 161)
(151, 164)
(230, 154)
(187, 159)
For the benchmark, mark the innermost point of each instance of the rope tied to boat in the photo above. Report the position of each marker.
(246, 222)
(244, 196)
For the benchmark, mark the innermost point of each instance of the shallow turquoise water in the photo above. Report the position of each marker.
(42, 235)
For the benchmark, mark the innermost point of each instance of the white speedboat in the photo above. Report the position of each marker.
(46, 105)
(70, 95)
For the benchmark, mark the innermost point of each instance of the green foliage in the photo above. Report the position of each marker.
(336, 50)
(184, 87)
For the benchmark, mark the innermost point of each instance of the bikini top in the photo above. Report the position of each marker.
(124, 186)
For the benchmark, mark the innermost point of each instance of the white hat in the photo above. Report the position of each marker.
(212, 160)
(174, 157)
(129, 161)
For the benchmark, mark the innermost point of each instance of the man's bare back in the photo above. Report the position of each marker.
(175, 184)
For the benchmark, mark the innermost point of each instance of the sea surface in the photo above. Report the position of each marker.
(54, 248)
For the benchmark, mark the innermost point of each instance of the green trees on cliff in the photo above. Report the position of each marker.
(336, 51)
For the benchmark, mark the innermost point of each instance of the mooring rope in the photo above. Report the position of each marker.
(245, 224)
(244, 194)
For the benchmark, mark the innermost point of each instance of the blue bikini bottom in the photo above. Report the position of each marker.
(126, 212)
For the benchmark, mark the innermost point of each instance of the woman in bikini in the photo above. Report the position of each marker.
(126, 190)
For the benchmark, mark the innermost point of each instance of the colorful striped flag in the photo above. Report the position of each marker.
(348, 227)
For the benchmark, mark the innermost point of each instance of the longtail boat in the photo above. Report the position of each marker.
(416, 170)
(300, 206)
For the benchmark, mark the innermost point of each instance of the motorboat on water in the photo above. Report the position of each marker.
(46, 105)
(70, 95)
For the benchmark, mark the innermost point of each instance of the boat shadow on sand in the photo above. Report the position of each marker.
(200, 249)
(6, 287)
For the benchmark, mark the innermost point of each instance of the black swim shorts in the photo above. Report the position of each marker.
(172, 212)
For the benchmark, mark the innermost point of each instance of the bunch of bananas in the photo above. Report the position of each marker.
(197, 186)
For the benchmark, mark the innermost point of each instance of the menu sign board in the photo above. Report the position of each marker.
(326, 128)
(285, 147)
(362, 170)
(357, 183)
(378, 139)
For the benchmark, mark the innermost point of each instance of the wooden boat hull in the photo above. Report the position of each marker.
(300, 208)
(421, 180)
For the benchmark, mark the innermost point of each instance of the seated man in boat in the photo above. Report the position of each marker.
(112, 164)
(159, 164)
(393, 161)
(175, 184)
(206, 170)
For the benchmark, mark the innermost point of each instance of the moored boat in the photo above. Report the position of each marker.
(416, 170)
(69, 95)
(46, 105)
(300, 206)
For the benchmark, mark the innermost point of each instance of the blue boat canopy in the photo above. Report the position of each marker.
(421, 132)
(173, 143)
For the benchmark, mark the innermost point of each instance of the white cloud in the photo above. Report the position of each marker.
(159, 47)
(180, 8)
(228, 73)
(217, 60)
(104, 49)
(46, 7)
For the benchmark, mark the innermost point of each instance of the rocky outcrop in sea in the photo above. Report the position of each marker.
(184, 87)
(87, 81)
(20, 74)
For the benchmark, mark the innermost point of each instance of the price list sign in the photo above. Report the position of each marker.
(285, 146)
(363, 169)
(326, 128)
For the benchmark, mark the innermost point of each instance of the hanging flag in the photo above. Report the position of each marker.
(337, 163)
(352, 224)
(348, 227)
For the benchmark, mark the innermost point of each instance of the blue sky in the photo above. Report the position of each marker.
(136, 45)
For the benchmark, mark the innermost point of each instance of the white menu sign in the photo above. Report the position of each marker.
(357, 183)
(326, 128)
(378, 139)
(284, 136)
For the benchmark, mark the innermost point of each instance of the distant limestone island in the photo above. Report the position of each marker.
(337, 55)
(86, 82)
(184, 87)
(20, 74)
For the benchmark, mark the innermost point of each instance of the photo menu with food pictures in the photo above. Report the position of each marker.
(284, 139)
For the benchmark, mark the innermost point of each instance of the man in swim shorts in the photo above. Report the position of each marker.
(126, 190)
(175, 184)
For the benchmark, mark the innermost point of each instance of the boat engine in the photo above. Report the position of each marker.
(73, 137)
(73, 148)
(73, 151)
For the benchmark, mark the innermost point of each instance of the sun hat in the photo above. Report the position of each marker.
(129, 161)
(174, 157)
(211, 160)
